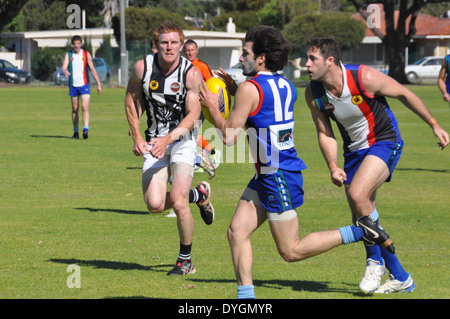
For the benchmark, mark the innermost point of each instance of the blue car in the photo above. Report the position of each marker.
(103, 71)
(10, 74)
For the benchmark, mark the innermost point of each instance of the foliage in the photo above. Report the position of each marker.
(141, 22)
(45, 61)
(243, 20)
(347, 32)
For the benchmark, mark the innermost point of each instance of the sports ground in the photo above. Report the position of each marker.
(73, 224)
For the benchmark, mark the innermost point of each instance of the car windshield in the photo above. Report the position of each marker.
(8, 65)
(418, 61)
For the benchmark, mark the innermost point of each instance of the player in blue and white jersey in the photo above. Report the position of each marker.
(265, 106)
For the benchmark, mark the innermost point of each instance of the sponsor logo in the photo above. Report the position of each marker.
(175, 87)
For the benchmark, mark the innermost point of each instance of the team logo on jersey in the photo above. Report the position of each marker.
(154, 85)
(357, 99)
(175, 87)
(329, 107)
(71, 59)
(82, 59)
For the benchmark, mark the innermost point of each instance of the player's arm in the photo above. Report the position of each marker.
(133, 94)
(246, 101)
(441, 82)
(65, 65)
(327, 141)
(377, 83)
(94, 72)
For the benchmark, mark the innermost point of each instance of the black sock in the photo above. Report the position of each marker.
(185, 252)
(195, 196)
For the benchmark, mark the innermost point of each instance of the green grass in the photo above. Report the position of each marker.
(65, 202)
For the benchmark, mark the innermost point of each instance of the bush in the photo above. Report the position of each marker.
(45, 62)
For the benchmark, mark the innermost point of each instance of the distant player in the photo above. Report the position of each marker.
(354, 97)
(265, 105)
(77, 64)
(444, 78)
(168, 85)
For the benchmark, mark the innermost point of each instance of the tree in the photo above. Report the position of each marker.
(398, 32)
(9, 9)
(346, 31)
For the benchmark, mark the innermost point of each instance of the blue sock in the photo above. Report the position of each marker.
(351, 234)
(76, 130)
(86, 129)
(373, 252)
(246, 292)
(393, 265)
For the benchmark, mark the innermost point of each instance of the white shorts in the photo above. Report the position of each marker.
(183, 151)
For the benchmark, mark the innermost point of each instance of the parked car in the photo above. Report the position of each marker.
(103, 71)
(424, 69)
(290, 71)
(11, 74)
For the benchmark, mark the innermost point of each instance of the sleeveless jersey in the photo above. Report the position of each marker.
(362, 119)
(78, 68)
(164, 96)
(270, 128)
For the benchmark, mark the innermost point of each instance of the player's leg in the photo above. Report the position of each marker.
(75, 118)
(292, 248)
(85, 99)
(154, 187)
(247, 218)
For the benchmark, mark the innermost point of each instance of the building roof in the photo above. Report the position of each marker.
(426, 26)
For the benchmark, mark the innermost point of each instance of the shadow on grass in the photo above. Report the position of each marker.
(424, 170)
(295, 285)
(51, 136)
(119, 211)
(114, 265)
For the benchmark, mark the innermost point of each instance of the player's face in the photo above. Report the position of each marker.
(191, 51)
(247, 59)
(169, 46)
(76, 45)
(315, 64)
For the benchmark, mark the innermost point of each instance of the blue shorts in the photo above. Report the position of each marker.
(279, 191)
(80, 90)
(389, 152)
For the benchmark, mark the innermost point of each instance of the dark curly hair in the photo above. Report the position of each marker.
(270, 42)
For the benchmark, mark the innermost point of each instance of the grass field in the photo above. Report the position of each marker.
(70, 202)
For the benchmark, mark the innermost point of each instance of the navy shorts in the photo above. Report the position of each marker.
(80, 90)
(279, 191)
(389, 152)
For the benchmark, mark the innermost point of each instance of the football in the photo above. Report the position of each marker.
(214, 84)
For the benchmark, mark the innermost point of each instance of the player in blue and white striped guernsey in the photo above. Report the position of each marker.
(265, 105)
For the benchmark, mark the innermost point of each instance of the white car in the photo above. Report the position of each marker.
(426, 68)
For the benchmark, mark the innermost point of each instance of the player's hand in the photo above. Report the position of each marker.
(338, 176)
(207, 98)
(158, 146)
(229, 82)
(441, 134)
(99, 88)
(140, 147)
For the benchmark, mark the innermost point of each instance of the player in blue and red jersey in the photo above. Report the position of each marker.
(77, 64)
(354, 97)
(265, 106)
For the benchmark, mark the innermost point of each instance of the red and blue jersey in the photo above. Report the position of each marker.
(78, 68)
(363, 119)
(270, 128)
